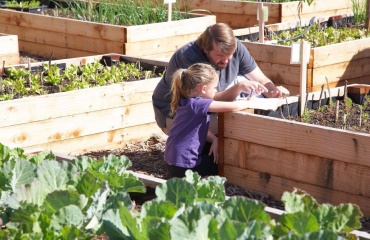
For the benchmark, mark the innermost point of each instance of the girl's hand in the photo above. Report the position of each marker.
(214, 146)
(214, 150)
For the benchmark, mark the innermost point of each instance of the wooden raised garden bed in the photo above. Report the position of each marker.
(9, 51)
(241, 14)
(333, 165)
(68, 38)
(336, 62)
(79, 121)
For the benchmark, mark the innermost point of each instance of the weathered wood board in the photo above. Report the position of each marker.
(332, 165)
(82, 120)
(242, 14)
(66, 38)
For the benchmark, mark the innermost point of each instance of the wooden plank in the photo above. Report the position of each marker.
(276, 186)
(337, 84)
(269, 53)
(168, 29)
(101, 141)
(301, 167)
(325, 8)
(158, 46)
(69, 41)
(62, 25)
(47, 50)
(243, 7)
(63, 104)
(341, 52)
(74, 126)
(281, 74)
(342, 71)
(350, 146)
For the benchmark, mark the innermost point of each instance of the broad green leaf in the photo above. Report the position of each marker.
(67, 216)
(238, 230)
(156, 230)
(158, 209)
(72, 232)
(7, 153)
(193, 223)
(298, 201)
(83, 163)
(178, 191)
(244, 210)
(126, 182)
(114, 163)
(62, 198)
(119, 224)
(28, 218)
(192, 177)
(325, 215)
(211, 189)
(300, 222)
(34, 193)
(23, 173)
(16, 172)
(348, 217)
(117, 200)
(88, 184)
(40, 157)
(317, 235)
(56, 174)
(98, 201)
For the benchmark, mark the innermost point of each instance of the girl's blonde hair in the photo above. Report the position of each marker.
(186, 80)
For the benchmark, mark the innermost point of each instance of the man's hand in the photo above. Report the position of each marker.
(249, 86)
(277, 92)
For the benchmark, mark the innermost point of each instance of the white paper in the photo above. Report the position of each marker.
(263, 103)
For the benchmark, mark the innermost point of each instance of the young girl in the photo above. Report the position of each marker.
(193, 90)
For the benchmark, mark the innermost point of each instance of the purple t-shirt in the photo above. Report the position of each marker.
(241, 63)
(189, 133)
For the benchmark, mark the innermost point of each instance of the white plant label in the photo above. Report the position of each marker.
(169, 1)
(296, 53)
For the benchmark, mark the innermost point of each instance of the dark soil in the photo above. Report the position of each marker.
(341, 114)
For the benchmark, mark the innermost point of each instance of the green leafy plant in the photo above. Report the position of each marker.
(20, 82)
(119, 12)
(41, 198)
(23, 4)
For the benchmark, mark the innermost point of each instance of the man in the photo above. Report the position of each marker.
(238, 71)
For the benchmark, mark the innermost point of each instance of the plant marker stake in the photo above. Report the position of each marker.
(322, 90)
(367, 20)
(29, 69)
(304, 58)
(261, 23)
(327, 83)
(336, 111)
(169, 9)
(51, 57)
(345, 89)
(2, 71)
